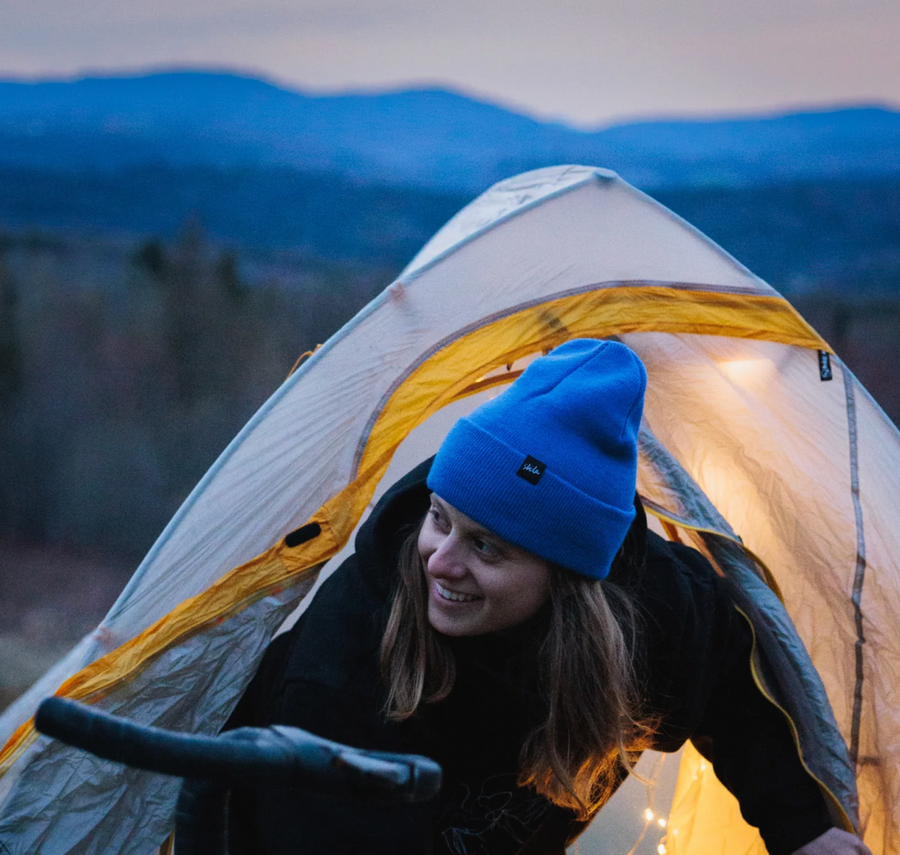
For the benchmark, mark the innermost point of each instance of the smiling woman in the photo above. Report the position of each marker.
(508, 614)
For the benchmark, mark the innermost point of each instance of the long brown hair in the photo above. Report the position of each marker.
(593, 730)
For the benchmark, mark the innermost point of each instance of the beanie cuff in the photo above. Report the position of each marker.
(477, 473)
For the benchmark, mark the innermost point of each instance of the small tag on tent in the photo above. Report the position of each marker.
(825, 365)
(302, 534)
(531, 469)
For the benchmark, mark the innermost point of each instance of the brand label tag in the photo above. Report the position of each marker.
(825, 365)
(531, 470)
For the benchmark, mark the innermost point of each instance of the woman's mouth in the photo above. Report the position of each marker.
(454, 596)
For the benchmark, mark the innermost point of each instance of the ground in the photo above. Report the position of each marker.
(42, 618)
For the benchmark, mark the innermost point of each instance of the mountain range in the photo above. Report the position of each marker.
(431, 139)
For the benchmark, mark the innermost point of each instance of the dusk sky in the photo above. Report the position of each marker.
(590, 64)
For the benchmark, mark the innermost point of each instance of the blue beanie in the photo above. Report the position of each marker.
(551, 463)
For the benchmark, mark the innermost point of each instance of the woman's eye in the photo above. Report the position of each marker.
(437, 517)
(485, 549)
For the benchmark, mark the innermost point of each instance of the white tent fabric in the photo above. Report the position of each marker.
(806, 471)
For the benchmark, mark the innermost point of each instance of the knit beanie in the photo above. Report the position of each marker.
(550, 464)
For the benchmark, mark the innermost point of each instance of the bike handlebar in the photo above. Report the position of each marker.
(277, 754)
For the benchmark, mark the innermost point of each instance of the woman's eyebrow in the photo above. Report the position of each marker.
(484, 534)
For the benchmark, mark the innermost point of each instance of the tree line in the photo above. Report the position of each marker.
(125, 368)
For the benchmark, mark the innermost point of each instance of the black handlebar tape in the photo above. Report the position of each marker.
(284, 755)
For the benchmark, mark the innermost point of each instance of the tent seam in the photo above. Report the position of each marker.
(860, 573)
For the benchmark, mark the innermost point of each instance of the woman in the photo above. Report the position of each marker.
(507, 613)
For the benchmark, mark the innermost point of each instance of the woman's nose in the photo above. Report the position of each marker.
(446, 560)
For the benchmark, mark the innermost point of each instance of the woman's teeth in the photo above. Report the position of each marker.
(452, 595)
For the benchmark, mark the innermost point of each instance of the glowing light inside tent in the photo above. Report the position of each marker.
(750, 373)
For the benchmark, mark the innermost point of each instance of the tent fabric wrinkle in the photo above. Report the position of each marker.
(745, 453)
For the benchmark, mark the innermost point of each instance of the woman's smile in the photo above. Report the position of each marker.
(454, 596)
(478, 582)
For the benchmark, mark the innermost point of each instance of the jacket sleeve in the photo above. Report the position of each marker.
(700, 651)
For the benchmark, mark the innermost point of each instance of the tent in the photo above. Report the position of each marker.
(755, 436)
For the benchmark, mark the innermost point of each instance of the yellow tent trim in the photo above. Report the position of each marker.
(454, 370)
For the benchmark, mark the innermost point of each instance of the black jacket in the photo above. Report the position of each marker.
(693, 656)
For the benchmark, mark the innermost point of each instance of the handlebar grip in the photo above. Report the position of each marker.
(285, 755)
(117, 739)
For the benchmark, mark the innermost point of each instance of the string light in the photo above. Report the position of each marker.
(648, 813)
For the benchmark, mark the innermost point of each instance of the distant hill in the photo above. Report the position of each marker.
(806, 200)
(426, 138)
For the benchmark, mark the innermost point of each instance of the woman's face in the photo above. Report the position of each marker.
(477, 582)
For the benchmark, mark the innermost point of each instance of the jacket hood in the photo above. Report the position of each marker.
(394, 518)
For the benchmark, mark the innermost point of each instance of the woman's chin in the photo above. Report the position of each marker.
(450, 624)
